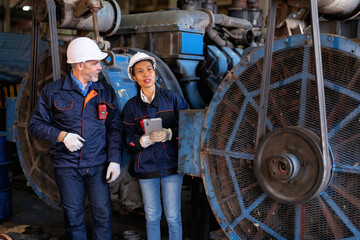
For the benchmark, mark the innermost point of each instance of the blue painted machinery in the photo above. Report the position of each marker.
(175, 38)
(292, 193)
(279, 186)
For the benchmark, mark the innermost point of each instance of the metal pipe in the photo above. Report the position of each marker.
(109, 17)
(192, 95)
(227, 21)
(214, 35)
(189, 19)
(242, 36)
(331, 7)
(337, 7)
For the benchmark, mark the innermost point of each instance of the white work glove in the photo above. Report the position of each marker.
(145, 141)
(160, 136)
(73, 142)
(112, 172)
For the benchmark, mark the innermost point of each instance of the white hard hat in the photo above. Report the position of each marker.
(83, 49)
(138, 57)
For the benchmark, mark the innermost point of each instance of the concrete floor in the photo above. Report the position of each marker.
(29, 212)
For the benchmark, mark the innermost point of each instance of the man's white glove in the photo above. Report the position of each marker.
(73, 142)
(112, 172)
(160, 136)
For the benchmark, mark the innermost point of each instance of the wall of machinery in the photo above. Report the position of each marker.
(273, 132)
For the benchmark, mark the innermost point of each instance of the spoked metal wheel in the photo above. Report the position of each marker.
(283, 189)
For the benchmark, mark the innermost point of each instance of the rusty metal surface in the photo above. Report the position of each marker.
(289, 165)
(160, 21)
(33, 153)
(109, 17)
(190, 128)
(227, 155)
(333, 9)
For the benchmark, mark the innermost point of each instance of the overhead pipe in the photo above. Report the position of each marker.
(334, 9)
(242, 36)
(214, 36)
(226, 21)
(76, 15)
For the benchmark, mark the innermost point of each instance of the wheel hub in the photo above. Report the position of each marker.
(289, 165)
(285, 166)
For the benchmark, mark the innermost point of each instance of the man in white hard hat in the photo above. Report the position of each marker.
(79, 116)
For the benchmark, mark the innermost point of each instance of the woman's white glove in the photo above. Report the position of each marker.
(160, 136)
(145, 141)
(73, 142)
(113, 172)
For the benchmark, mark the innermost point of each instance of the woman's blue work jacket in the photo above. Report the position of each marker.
(159, 159)
(62, 107)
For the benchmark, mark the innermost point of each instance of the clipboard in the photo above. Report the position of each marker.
(152, 124)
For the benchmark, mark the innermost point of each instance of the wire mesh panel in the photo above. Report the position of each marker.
(242, 207)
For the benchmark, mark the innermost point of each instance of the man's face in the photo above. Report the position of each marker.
(91, 70)
(144, 74)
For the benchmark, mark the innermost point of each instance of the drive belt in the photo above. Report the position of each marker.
(53, 39)
(51, 14)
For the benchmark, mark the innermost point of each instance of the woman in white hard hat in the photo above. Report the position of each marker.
(155, 160)
(86, 146)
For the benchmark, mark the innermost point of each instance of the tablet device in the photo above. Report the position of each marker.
(152, 124)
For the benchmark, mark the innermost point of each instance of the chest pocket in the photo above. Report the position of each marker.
(64, 111)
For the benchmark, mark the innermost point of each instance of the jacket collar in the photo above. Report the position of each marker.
(155, 101)
(69, 84)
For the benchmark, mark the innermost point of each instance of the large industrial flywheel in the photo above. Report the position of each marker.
(283, 188)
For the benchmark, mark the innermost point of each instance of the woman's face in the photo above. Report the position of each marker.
(144, 74)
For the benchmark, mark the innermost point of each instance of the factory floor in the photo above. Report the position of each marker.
(31, 218)
(40, 221)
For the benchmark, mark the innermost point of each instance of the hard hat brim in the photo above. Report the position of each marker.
(100, 56)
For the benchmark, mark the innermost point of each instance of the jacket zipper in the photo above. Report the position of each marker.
(87, 99)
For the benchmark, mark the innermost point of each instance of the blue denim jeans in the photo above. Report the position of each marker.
(171, 195)
(72, 184)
